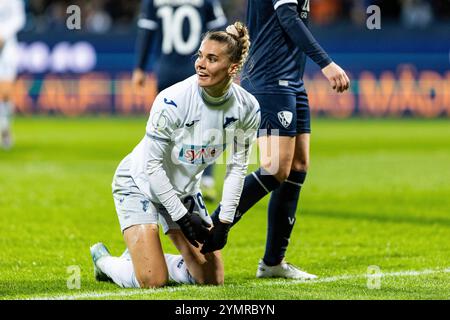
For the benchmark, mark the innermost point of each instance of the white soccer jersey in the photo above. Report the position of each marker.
(12, 19)
(186, 131)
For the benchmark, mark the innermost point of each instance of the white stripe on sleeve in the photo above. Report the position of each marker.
(281, 2)
(147, 24)
(217, 23)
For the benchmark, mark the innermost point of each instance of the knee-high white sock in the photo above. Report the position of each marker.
(120, 270)
(178, 271)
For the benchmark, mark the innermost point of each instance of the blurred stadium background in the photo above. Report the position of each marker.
(377, 191)
(400, 70)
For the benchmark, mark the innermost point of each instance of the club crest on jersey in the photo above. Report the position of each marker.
(160, 120)
(285, 118)
(193, 154)
(229, 121)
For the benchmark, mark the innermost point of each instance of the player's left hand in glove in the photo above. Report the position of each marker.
(194, 228)
(217, 238)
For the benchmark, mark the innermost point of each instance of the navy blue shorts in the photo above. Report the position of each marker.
(287, 113)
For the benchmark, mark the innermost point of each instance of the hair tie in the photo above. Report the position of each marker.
(232, 31)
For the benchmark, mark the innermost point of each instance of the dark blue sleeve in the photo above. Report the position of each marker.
(298, 32)
(144, 41)
(147, 25)
(214, 15)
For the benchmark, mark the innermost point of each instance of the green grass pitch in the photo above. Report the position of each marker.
(377, 194)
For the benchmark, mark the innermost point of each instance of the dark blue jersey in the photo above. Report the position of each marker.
(280, 42)
(174, 28)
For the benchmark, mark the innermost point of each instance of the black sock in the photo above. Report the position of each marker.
(256, 186)
(282, 209)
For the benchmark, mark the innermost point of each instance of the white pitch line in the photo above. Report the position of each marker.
(120, 293)
(135, 292)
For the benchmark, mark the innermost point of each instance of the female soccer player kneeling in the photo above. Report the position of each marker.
(159, 180)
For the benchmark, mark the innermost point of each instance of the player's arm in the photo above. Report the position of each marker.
(215, 16)
(161, 126)
(147, 27)
(13, 22)
(301, 36)
(234, 182)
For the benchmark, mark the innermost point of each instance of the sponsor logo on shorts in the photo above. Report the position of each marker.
(145, 204)
(285, 118)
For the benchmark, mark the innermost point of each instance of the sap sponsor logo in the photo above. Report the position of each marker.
(193, 154)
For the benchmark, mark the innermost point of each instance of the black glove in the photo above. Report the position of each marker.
(217, 238)
(194, 228)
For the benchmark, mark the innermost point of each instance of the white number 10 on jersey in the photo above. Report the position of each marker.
(172, 29)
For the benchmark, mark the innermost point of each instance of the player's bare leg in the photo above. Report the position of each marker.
(276, 162)
(146, 253)
(141, 266)
(301, 155)
(205, 269)
(284, 201)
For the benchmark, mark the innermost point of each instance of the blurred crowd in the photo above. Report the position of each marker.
(101, 16)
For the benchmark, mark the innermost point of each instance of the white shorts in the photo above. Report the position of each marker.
(134, 208)
(9, 61)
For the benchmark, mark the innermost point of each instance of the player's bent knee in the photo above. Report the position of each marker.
(148, 282)
(216, 280)
(283, 173)
(152, 279)
(300, 165)
(279, 171)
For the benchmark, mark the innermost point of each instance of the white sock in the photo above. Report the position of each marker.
(178, 271)
(120, 270)
(176, 266)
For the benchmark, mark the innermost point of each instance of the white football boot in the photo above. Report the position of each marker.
(282, 270)
(99, 251)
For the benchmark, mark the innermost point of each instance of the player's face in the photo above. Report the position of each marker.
(213, 66)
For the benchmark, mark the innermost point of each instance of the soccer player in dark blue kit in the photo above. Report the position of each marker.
(174, 28)
(273, 74)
